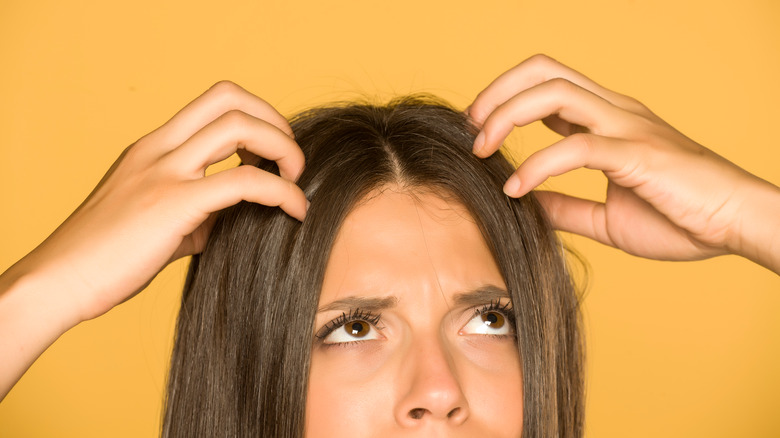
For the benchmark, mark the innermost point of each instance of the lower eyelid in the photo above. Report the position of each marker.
(341, 344)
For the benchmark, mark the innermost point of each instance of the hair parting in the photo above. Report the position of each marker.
(242, 351)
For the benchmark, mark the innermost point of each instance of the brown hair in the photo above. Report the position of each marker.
(242, 351)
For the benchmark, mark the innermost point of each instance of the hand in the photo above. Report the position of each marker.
(667, 196)
(155, 204)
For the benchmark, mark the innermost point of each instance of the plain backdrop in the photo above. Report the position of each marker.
(674, 349)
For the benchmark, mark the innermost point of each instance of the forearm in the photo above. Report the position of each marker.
(34, 312)
(756, 235)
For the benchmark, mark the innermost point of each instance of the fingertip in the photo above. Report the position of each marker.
(305, 211)
(291, 167)
(479, 144)
(512, 186)
(305, 208)
(298, 213)
(298, 176)
(473, 117)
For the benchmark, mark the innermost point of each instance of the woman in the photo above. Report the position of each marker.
(154, 205)
(409, 254)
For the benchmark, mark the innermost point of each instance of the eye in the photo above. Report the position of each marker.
(355, 326)
(352, 331)
(488, 322)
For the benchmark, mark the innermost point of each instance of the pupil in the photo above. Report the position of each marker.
(357, 328)
(491, 318)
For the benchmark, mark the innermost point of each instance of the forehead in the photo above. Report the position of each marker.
(397, 242)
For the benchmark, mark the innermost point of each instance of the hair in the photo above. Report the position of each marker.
(242, 350)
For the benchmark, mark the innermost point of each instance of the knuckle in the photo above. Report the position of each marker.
(290, 189)
(541, 60)
(640, 127)
(234, 119)
(634, 105)
(584, 143)
(137, 153)
(226, 93)
(561, 85)
(131, 152)
(633, 101)
(225, 87)
(245, 175)
(279, 193)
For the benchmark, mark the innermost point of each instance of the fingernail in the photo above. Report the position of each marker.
(479, 143)
(512, 185)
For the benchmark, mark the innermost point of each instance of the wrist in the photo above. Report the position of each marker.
(32, 316)
(40, 295)
(756, 232)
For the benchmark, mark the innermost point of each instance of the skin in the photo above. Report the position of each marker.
(154, 205)
(427, 372)
(668, 197)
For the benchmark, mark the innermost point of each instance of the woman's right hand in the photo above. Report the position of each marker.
(153, 206)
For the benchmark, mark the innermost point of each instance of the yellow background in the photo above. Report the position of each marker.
(675, 349)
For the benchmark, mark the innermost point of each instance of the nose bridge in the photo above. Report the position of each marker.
(432, 390)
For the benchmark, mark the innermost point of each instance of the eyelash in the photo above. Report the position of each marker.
(495, 306)
(374, 319)
(345, 318)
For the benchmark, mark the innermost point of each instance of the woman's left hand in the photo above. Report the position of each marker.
(667, 196)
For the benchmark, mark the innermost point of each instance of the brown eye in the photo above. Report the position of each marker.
(493, 319)
(357, 329)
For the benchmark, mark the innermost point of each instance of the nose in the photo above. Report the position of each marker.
(432, 392)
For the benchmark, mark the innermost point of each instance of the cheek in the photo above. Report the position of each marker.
(497, 400)
(493, 384)
(347, 396)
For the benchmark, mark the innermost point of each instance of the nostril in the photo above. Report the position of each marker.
(417, 413)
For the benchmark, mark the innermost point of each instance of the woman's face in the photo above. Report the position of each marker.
(414, 333)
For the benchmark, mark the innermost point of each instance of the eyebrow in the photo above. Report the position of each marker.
(481, 295)
(364, 303)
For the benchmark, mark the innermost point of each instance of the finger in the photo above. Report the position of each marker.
(534, 71)
(195, 242)
(561, 126)
(234, 131)
(579, 150)
(575, 215)
(558, 97)
(217, 100)
(248, 183)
